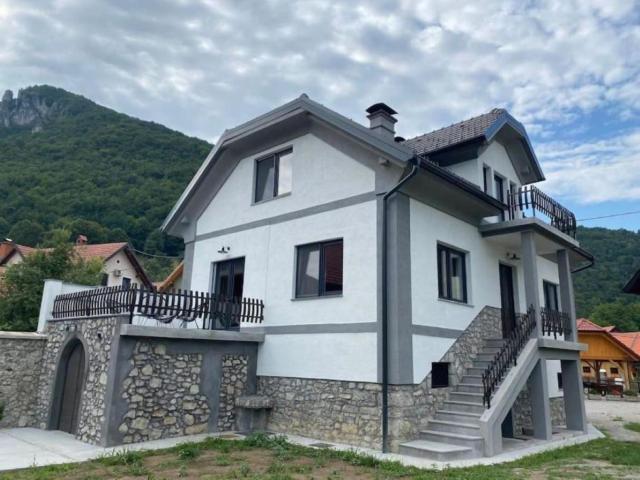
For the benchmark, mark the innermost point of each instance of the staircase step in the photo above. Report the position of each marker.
(490, 350)
(485, 357)
(458, 417)
(438, 451)
(469, 387)
(494, 342)
(481, 364)
(475, 371)
(460, 406)
(454, 427)
(466, 397)
(472, 379)
(472, 441)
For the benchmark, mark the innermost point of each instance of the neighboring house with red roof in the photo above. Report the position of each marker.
(120, 265)
(611, 355)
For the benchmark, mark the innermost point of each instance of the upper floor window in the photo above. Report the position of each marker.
(452, 274)
(273, 175)
(550, 295)
(319, 269)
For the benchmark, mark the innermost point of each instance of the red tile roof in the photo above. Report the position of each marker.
(630, 339)
(585, 325)
(100, 250)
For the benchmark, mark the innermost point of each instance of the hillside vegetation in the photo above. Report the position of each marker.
(72, 159)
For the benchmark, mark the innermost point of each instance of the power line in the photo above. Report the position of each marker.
(633, 212)
(153, 255)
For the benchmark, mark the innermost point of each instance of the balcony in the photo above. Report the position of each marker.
(144, 307)
(529, 201)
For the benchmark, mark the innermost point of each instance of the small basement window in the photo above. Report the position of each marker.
(439, 374)
(560, 380)
(273, 175)
(319, 269)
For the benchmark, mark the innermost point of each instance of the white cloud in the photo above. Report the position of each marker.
(594, 172)
(201, 67)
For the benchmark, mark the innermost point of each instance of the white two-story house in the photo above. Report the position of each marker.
(401, 279)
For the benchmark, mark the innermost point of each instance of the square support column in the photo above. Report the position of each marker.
(540, 404)
(567, 300)
(573, 395)
(531, 281)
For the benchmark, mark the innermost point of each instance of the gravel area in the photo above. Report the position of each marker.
(611, 415)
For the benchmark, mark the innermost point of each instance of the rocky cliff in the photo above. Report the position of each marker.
(30, 109)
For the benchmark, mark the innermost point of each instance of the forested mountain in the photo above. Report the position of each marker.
(617, 255)
(66, 161)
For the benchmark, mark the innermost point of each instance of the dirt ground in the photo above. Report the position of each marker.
(611, 416)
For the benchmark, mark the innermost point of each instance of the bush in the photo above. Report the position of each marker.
(188, 451)
(630, 393)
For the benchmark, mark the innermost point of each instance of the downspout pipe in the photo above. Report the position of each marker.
(414, 161)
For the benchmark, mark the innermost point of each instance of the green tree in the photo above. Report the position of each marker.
(26, 232)
(4, 229)
(625, 317)
(154, 243)
(22, 283)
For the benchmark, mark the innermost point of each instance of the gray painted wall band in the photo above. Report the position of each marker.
(429, 331)
(285, 217)
(362, 327)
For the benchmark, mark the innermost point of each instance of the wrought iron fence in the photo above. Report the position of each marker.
(554, 322)
(529, 200)
(186, 307)
(507, 356)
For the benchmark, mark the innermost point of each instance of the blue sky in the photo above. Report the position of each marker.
(569, 70)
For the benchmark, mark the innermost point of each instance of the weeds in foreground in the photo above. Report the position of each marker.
(188, 451)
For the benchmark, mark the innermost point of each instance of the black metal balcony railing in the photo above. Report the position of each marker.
(508, 354)
(554, 322)
(529, 201)
(204, 310)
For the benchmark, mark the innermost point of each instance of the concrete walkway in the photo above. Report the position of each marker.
(28, 447)
(611, 415)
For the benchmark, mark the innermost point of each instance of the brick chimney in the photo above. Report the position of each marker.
(82, 240)
(381, 120)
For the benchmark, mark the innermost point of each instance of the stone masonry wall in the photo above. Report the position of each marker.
(411, 406)
(164, 396)
(97, 335)
(233, 384)
(522, 412)
(330, 410)
(20, 362)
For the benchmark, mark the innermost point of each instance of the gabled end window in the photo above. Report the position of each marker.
(319, 269)
(273, 175)
(452, 274)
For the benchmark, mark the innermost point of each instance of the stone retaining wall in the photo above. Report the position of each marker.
(330, 410)
(233, 384)
(522, 412)
(96, 335)
(20, 362)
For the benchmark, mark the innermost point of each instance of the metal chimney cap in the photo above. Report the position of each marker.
(377, 107)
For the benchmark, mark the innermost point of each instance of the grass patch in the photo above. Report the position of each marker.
(633, 426)
(271, 457)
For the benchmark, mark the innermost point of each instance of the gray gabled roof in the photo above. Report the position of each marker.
(464, 131)
(482, 128)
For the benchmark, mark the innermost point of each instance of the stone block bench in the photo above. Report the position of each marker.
(252, 412)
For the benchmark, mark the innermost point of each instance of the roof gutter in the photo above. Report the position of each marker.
(385, 304)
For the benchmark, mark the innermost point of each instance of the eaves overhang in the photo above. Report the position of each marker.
(633, 285)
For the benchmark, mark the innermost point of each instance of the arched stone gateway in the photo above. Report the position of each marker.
(69, 386)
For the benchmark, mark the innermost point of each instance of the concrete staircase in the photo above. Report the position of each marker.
(454, 431)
